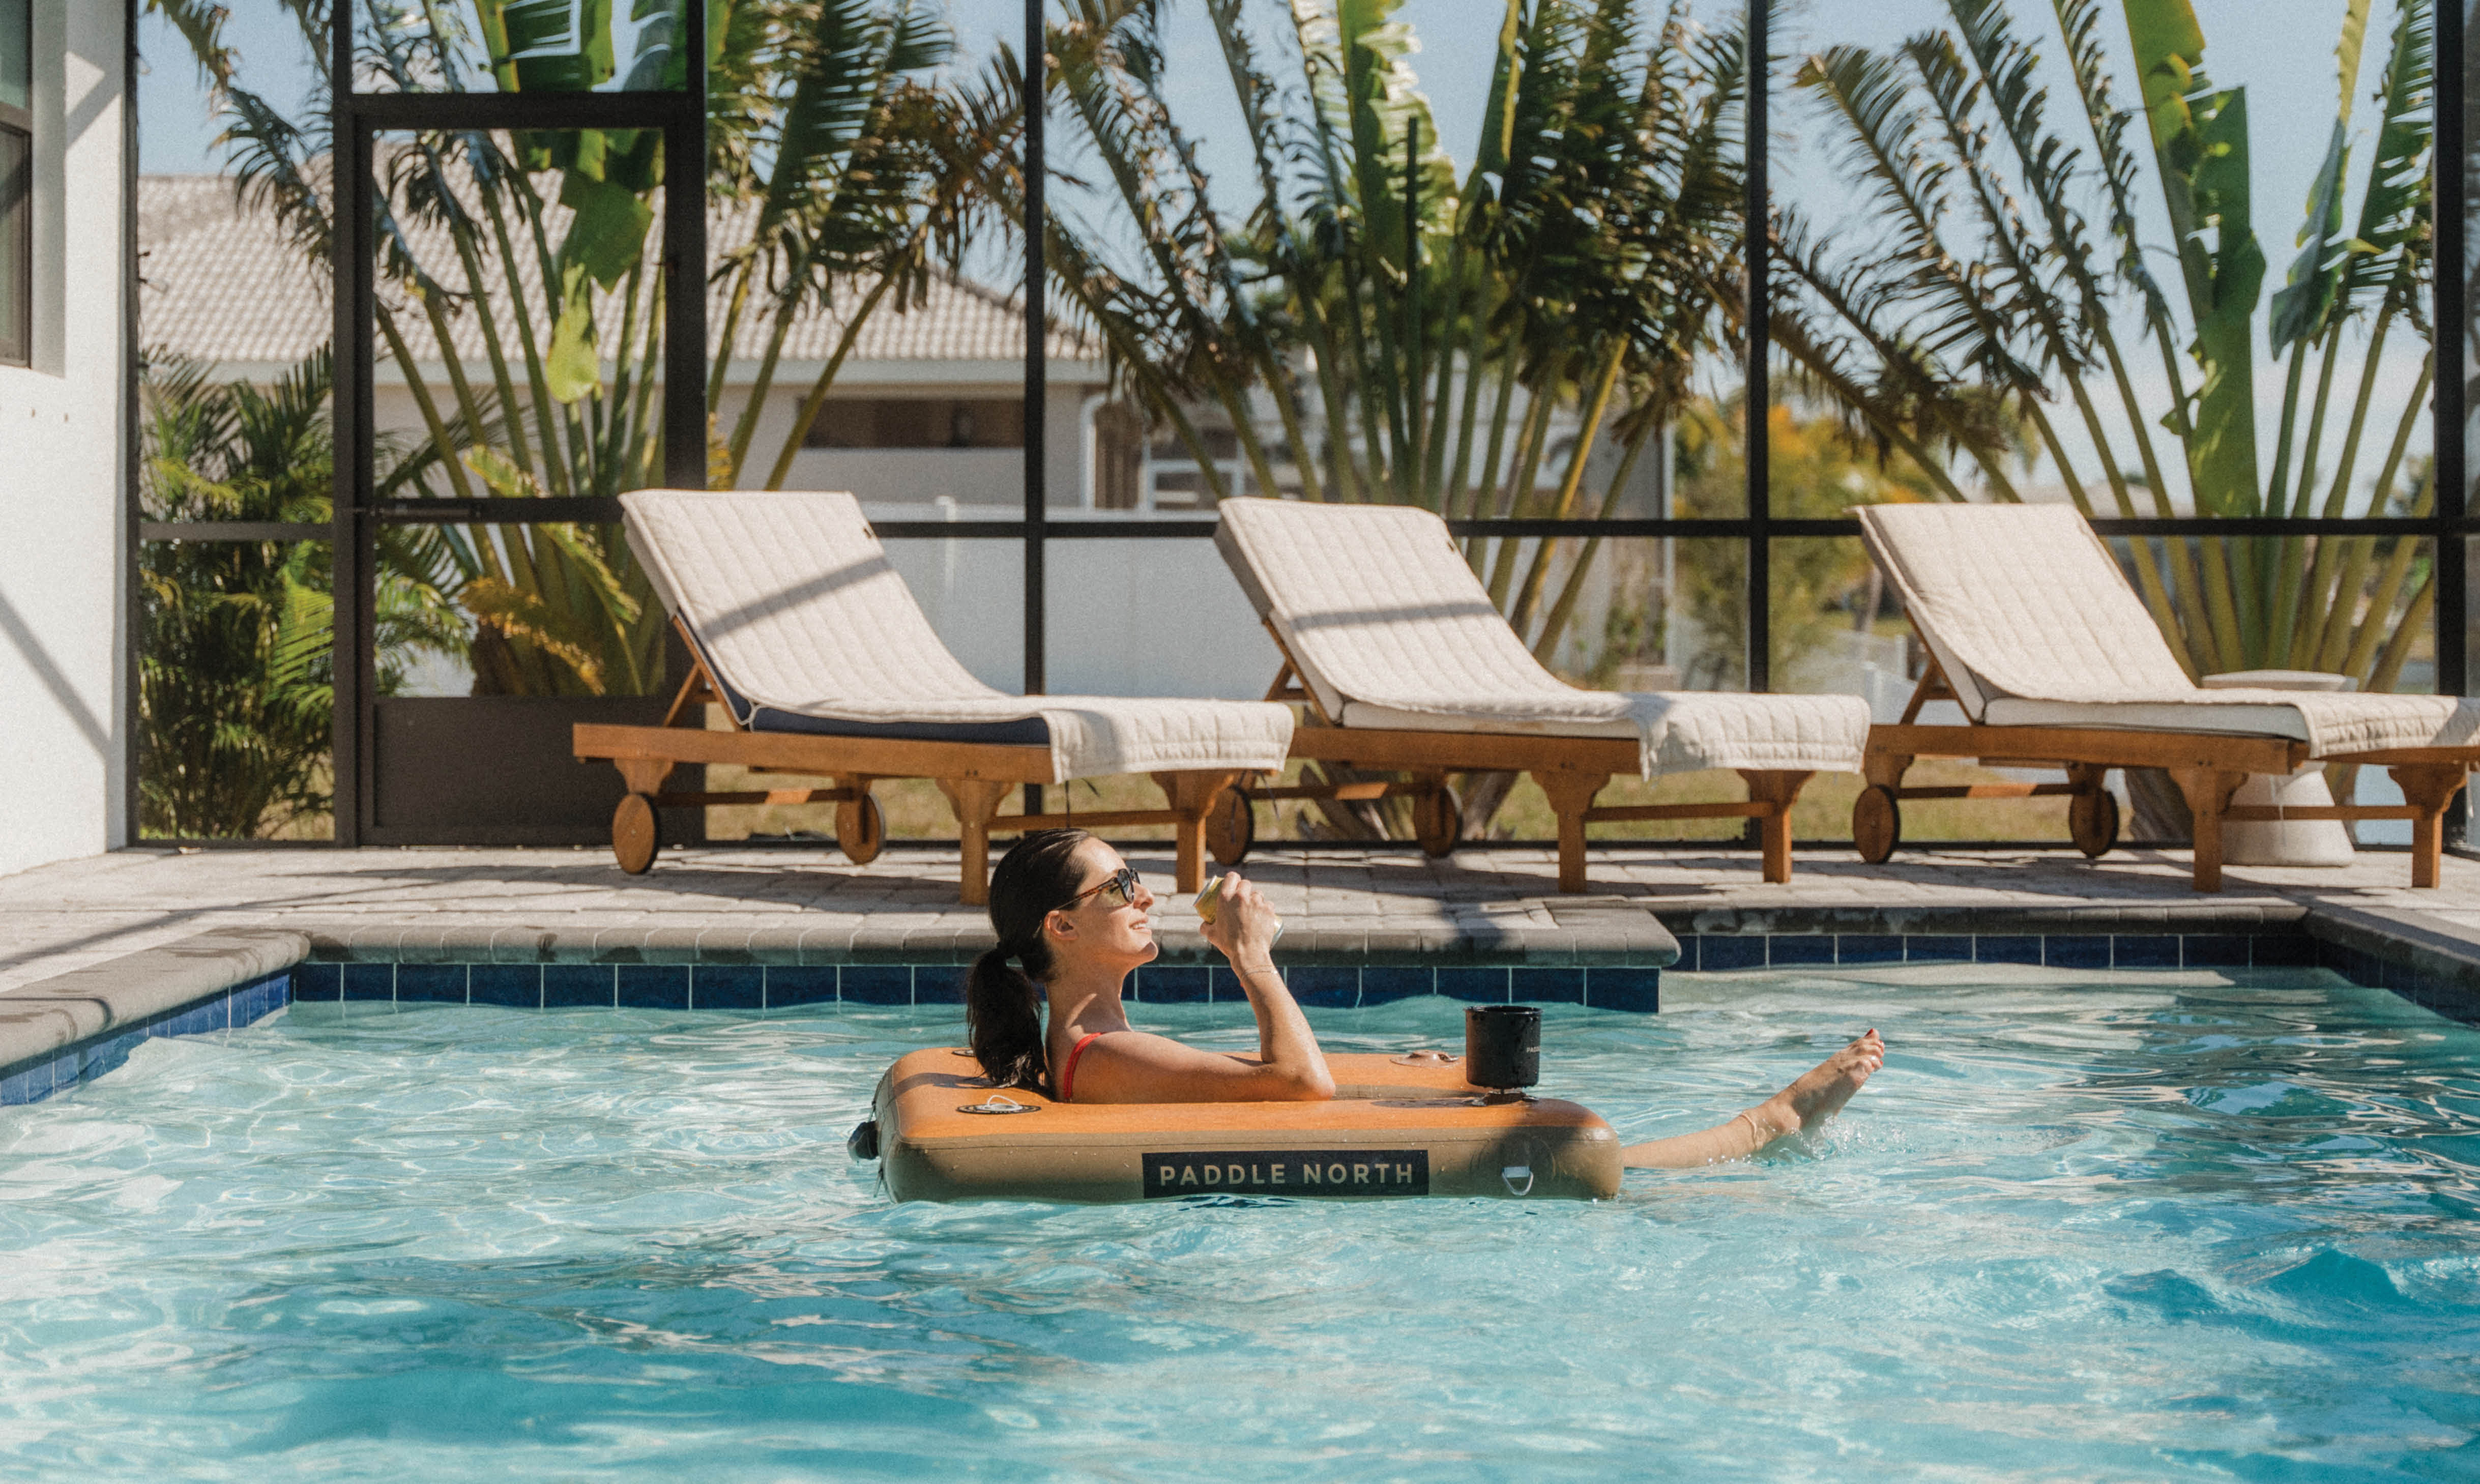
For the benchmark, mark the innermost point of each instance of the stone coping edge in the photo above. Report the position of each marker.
(45, 1016)
(2207, 915)
(1588, 931)
(2376, 947)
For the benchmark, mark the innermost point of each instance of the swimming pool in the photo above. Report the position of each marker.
(2084, 1227)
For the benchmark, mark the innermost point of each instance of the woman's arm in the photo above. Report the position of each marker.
(1244, 928)
(1133, 1067)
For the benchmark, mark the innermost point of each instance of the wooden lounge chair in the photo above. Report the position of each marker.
(2034, 630)
(827, 668)
(1403, 662)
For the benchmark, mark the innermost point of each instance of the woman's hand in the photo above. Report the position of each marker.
(1244, 925)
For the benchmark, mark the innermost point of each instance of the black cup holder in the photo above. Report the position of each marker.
(1503, 1046)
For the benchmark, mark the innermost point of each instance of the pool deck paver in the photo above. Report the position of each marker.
(725, 904)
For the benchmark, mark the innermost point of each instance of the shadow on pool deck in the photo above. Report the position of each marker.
(537, 904)
(114, 948)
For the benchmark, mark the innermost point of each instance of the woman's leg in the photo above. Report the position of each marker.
(1816, 1096)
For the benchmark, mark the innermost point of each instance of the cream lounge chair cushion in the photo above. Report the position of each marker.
(2034, 625)
(1390, 629)
(792, 601)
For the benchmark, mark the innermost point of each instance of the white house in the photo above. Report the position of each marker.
(924, 422)
(67, 149)
(927, 406)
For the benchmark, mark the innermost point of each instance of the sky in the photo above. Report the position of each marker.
(2283, 50)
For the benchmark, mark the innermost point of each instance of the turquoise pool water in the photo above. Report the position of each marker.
(2115, 1228)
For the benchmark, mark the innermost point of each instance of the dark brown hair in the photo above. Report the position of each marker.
(1003, 1003)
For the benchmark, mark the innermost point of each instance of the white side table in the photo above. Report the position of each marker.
(2284, 842)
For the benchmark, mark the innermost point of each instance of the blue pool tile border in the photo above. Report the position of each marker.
(1725, 953)
(236, 1008)
(653, 986)
(761, 988)
(2427, 967)
(766, 987)
(581, 986)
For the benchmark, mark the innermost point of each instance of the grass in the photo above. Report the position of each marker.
(915, 810)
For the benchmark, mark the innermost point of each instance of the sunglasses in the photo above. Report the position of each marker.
(1122, 884)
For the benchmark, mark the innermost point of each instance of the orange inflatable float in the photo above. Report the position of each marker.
(1398, 1126)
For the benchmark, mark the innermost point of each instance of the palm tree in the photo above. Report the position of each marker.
(1381, 324)
(531, 251)
(1996, 293)
(235, 677)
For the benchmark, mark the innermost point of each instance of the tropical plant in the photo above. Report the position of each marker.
(853, 203)
(1383, 325)
(1814, 472)
(1990, 308)
(534, 250)
(236, 676)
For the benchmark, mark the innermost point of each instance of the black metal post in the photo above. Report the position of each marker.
(1414, 445)
(2450, 412)
(1037, 372)
(1759, 398)
(685, 453)
(353, 417)
(133, 609)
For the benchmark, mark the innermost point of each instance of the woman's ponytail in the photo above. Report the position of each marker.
(1003, 1021)
(1003, 1005)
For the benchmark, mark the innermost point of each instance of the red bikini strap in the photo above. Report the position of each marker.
(1068, 1072)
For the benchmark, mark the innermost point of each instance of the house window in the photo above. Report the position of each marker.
(17, 177)
(917, 423)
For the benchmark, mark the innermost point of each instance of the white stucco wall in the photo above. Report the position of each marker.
(974, 477)
(64, 528)
(1124, 617)
(991, 481)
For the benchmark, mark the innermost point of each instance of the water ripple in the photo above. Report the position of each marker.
(2112, 1228)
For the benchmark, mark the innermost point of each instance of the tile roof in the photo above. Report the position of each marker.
(220, 283)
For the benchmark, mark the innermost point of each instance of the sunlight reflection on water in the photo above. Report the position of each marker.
(2098, 1226)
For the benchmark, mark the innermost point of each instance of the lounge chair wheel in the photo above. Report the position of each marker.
(2092, 822)
(1876, 823)
(861, 829)
(1439, 822)
(1231, 827)
(634, 836)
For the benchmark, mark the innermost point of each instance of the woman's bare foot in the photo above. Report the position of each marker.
(1820, 1092)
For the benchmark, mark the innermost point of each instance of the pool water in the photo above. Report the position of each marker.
(2081, 1228)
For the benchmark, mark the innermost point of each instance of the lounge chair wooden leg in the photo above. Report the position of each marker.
(1885, 769)
(1570, 796)
(2427, 788)
(2208, 791)
(1777, 789)
(643, 775)
(1191, 796)
(976, 802)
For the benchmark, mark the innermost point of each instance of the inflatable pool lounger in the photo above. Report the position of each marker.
(1397, 1126)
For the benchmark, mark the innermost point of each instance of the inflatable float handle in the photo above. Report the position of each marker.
(998, 1103)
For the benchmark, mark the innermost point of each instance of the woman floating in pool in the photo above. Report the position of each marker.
(1070, 910)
